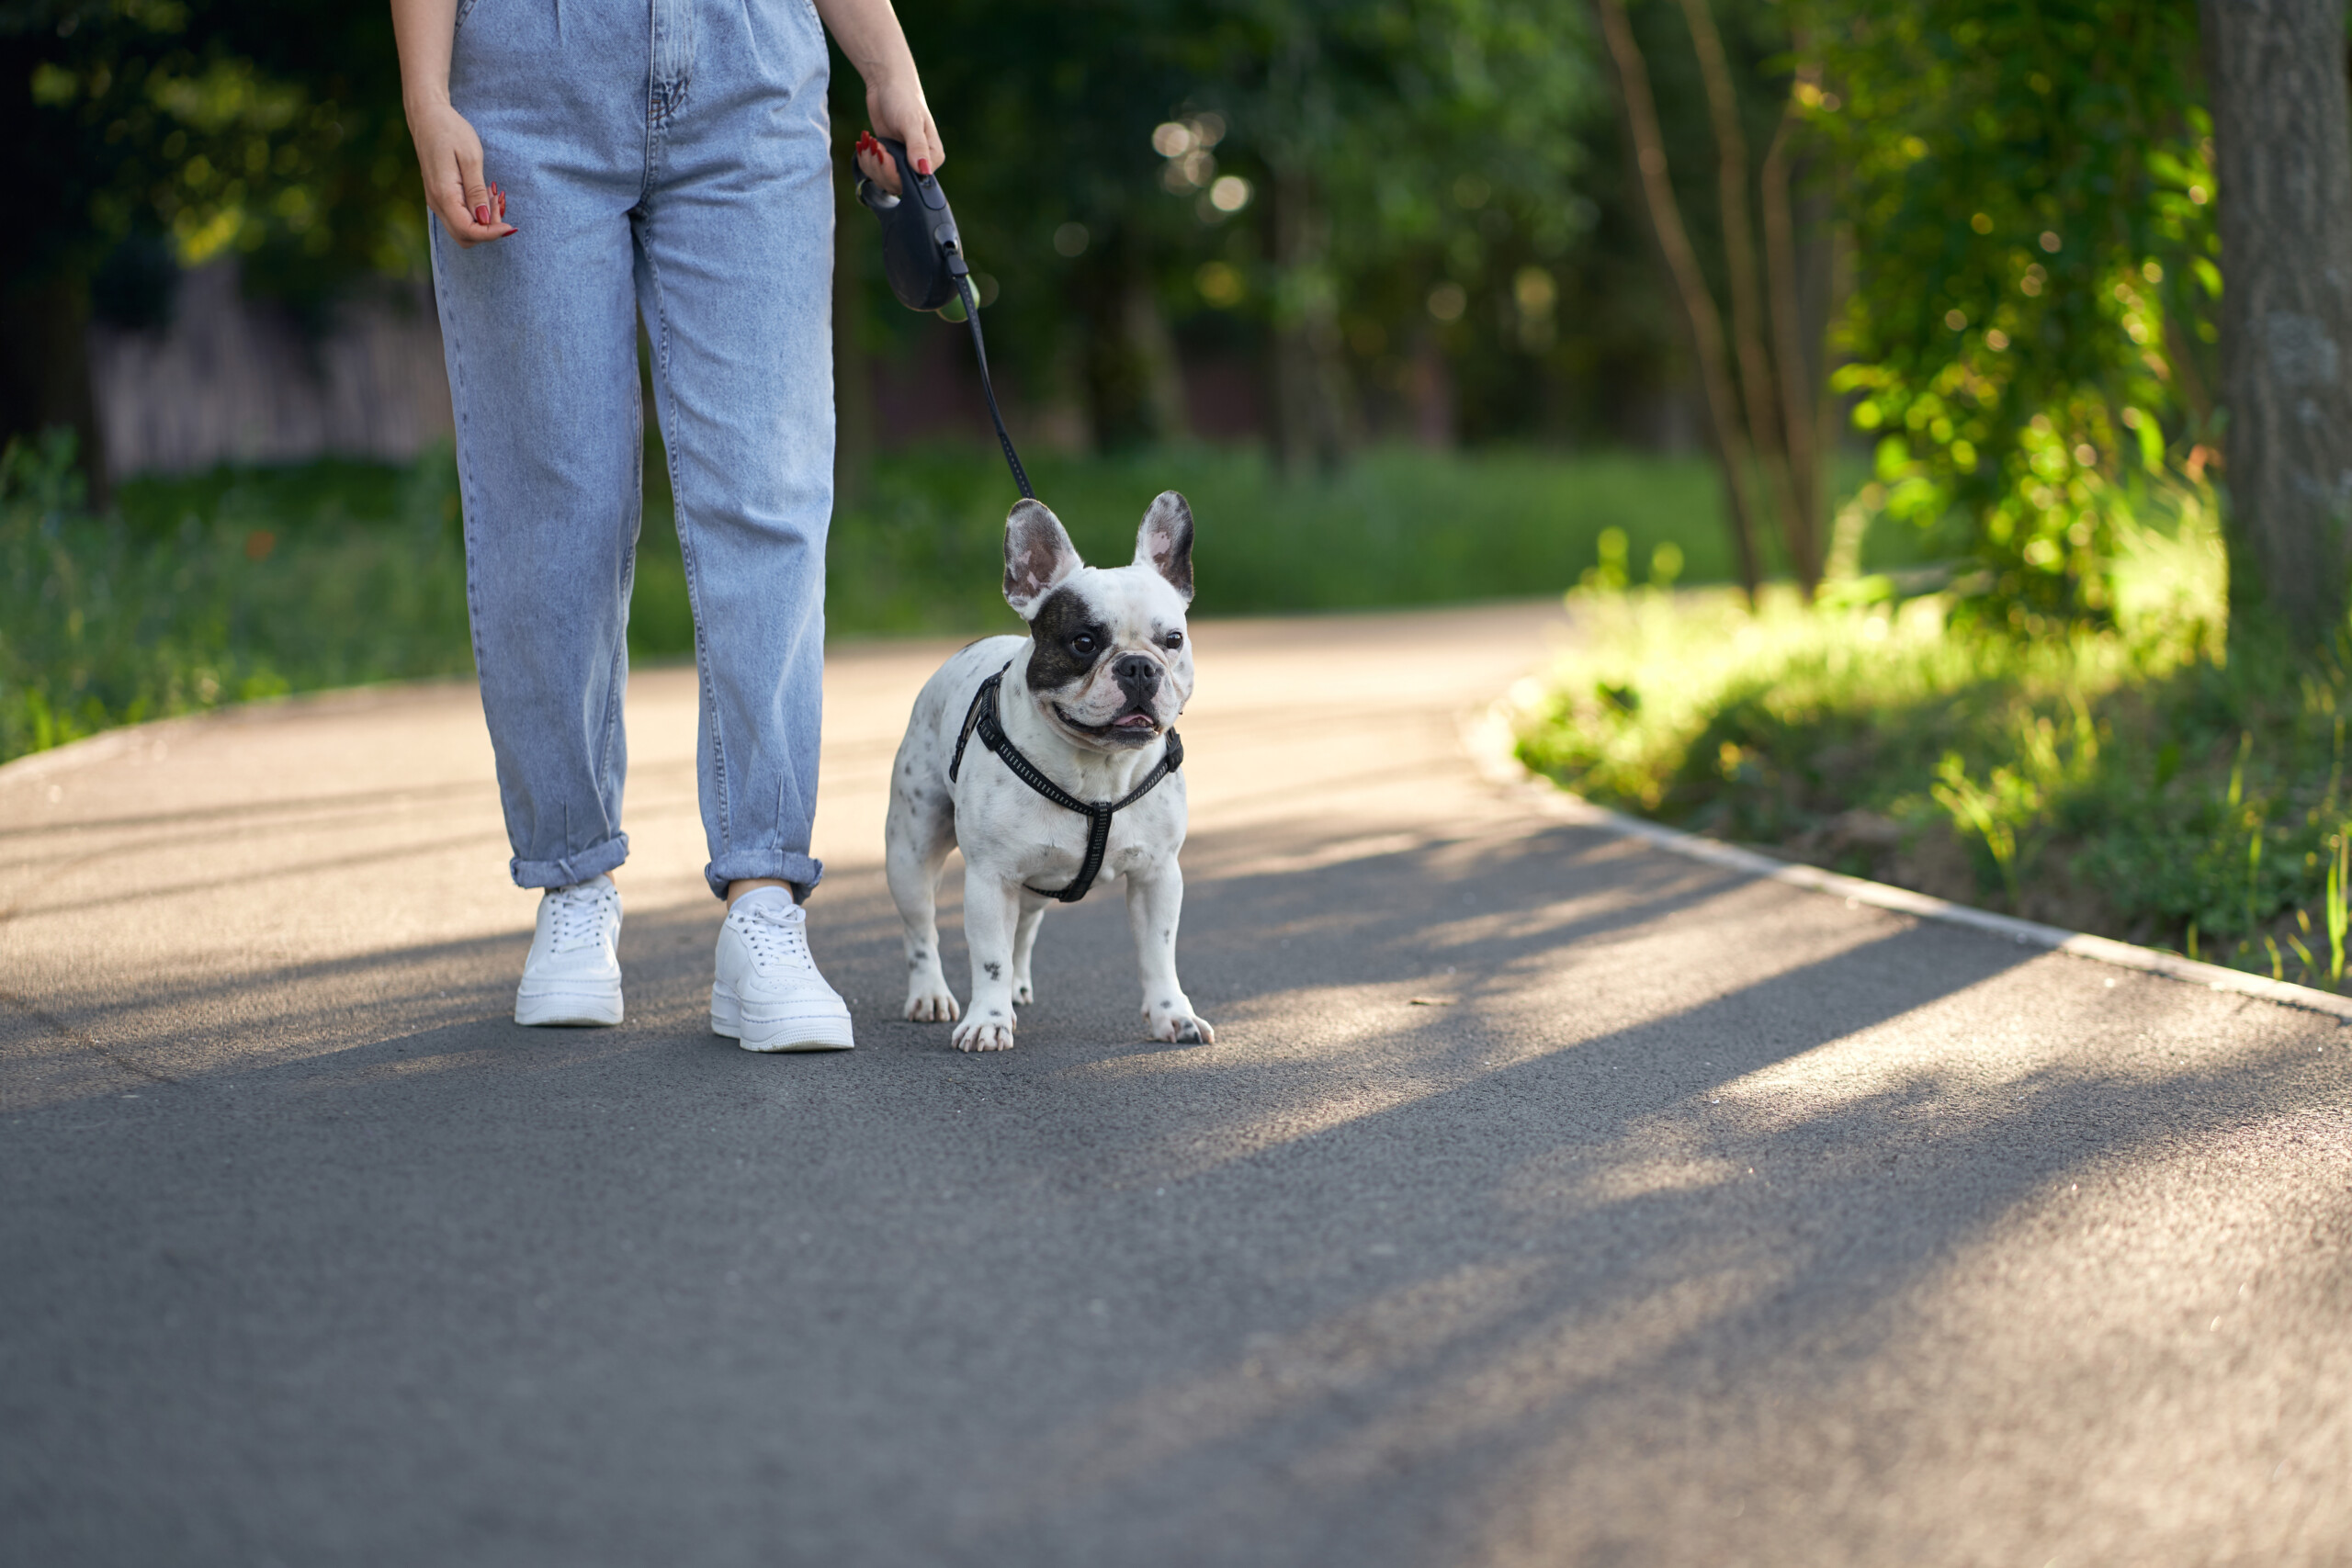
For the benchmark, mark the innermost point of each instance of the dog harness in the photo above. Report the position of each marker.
(982, 718)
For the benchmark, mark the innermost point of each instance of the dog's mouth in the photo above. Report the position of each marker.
(1133, 726)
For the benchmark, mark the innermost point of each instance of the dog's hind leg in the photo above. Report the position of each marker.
(1025, 942)
(919, 832)
(1154, 903)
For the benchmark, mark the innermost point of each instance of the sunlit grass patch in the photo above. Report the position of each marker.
(2130, 779)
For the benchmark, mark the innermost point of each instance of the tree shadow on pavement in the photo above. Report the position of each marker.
(1544, 1198)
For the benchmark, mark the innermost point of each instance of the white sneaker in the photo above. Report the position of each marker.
(768, 994)
(573, 975)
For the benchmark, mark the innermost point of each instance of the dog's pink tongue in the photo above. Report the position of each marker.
(1134, 721)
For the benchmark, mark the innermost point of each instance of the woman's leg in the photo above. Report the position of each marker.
(540, 334)
(734, 282)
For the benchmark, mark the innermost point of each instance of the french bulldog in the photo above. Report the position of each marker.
(1086, 701)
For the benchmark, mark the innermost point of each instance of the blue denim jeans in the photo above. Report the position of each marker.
(670, 159)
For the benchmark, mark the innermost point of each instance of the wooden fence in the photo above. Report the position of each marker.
(234, 381)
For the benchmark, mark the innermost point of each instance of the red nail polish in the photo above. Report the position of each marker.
(482, 215)
(922, 167)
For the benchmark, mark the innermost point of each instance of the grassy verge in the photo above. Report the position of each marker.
(244, 583)
(2135, 782)
(223, 590)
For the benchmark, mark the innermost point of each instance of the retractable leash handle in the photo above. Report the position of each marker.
(923, 256)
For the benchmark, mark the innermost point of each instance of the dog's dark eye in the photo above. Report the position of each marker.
(1172, 640)
(1082, 643)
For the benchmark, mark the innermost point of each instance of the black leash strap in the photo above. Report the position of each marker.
(981, 717)
(980, 353)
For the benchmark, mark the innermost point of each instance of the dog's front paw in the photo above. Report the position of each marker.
(1023, 993)
(1174, 1023)
(984, 1033)
(931, 1004)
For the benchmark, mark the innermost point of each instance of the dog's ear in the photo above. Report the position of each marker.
(1164, 543)
(1038, 557)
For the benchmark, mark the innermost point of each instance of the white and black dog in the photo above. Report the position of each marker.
(1048, 760)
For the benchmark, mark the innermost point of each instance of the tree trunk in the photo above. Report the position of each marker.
(1730, 437)
(1154, 347)
(2282, 135)
(1313, 412)
(1135, 388)
(1429, 392)
(45, 370)
(1775, 450)
(1798, 355)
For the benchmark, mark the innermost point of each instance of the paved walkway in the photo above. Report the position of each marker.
(1546, 1199)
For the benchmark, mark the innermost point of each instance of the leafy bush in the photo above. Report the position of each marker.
(2031, 327)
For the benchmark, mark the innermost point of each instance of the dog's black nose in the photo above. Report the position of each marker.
(1137, 674)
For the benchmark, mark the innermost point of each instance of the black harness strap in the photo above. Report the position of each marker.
(981, 717)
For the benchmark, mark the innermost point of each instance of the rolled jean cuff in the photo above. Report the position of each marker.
(751, 866)
(593, 862)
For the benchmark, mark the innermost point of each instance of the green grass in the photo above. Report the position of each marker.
(222, 589)
(249, 583)
(2135, 781)
(1394, 528)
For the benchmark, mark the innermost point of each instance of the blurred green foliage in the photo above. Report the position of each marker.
(174, 130)
(1263, 173)
(1373, 196)
(225, 588)
(2030, 334)
(1414, 215)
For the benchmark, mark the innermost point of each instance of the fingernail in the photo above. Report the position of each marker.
(922, 166)
(482, 215)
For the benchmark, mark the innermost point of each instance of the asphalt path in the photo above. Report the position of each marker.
(1547, 1199)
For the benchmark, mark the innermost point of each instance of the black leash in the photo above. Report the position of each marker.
(923, 256)
(980, 353)
(982, 716)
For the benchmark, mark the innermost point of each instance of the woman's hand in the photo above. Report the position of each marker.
(898, 112)
(449, 154)
(869, 34)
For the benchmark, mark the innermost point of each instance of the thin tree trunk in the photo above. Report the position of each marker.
(2282, 135)
(1699, 310)
(1757, 389)
(1428, 391)
(1834, 275)
(1799, 373)
(45, 355)
(1312, 416)
(1162, 373)
(2180, 358)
